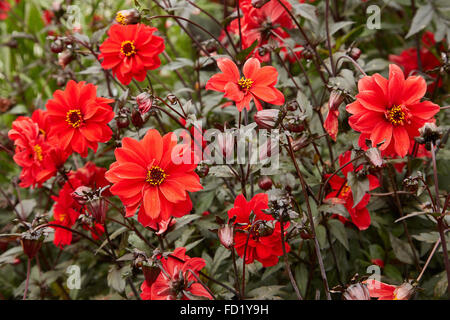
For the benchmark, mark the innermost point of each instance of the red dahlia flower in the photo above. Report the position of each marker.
(359, 214)
(37, 151)
(146, 176)
(4, 9)
(130, 51)
(80, 118)
(257, 83)
(262, 24)
(176, 281)
(390, 110)
(264, 242)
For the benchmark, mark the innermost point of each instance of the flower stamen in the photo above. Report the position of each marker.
(156, 176)
(128, 49)
(396, 115)
(38, 151)
(245, 84)
(74, 118)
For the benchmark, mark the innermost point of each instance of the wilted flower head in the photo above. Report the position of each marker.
(429, 133)
(357, 291)
(226, 235)
(130, 16)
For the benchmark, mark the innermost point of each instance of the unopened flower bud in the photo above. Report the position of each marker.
(225, 142)
(404, 291)
(299, 143)
(172, 98)
(144, 101)
(292, 105)
(355, 53)
(268, 118)
(32, 242)
(202, 170)
(265, 183)
(226, 235)
(357, 291)
(57, 46)
(136, 119)
(295, 127)
(80, 195)
(130, 16)
(122, 122)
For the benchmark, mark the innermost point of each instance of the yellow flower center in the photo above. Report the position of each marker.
(120, 18)
(38, 151)
(396, 115)
(74, 118)
(245, 84)
(345, 190)
(156, 176)
(62, 217)
(128, 49)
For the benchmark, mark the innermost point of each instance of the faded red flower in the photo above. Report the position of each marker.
(390, 110)
(342, 193)
(130, 51)
(263, 232)
(176, 281)
(257, 83)
(80, 118)
(67, 209)
(145, 176)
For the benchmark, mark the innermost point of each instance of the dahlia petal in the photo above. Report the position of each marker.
(396, 84)
(152, 202)
(414, 89)
(266, 76)
(152, 143)
(401, 141)
(229, 68)
(382, 131)
(251, 67)
(173, 191)
(424, 110)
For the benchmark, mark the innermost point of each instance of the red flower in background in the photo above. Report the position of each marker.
(256, 84)
(130, 51)
(175, 279)
(145, 176)
(408, 59)
(4, 9)
(67, 209)
(342, 193)
(37, 151)
(79, 118)
(264, 242)
(262, 24)
(390, 110)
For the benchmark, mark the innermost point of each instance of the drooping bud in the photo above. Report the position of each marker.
(226, 235)
(265, 183)
(336, 98)
(144, 101)
(172, 98)
(122, 122)
(299, 143)
(268, 118)
(225, 143)
(130, 16)
(357, 291)
(80, 195)
(64, 58)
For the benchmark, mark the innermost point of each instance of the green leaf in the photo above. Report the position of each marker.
(301, 277)
(402, 250)
(115, 279)
(421, 19)
(358, 186)
(337, 229)
(241, 56)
